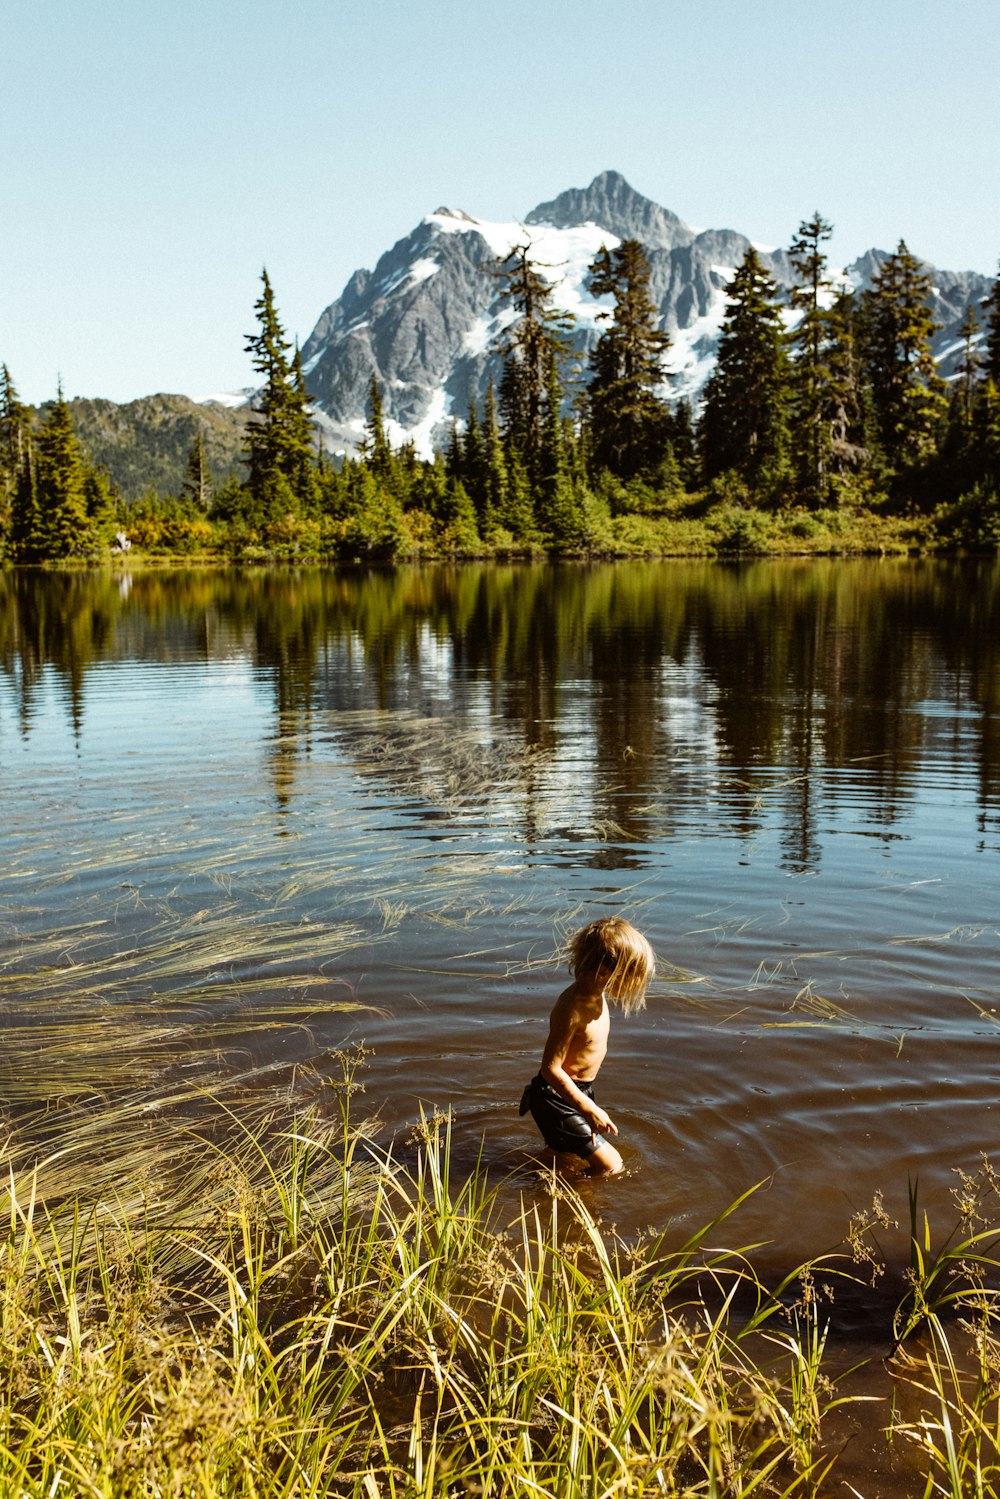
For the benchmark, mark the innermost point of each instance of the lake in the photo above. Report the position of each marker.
(264, 816)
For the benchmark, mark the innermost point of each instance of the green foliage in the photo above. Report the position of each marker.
(279, 436)
(973, 520)
(18, 477)
(744, 425)
(814, 400)
(991, 306)
(529, 345)
(198, 479)
(298, 1314)
(60, 526)
(907, 393)
(626, 414)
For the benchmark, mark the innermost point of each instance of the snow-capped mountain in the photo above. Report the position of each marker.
(425, 322)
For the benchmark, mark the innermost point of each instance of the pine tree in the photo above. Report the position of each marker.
(627, 416)
(18, 500)
(557, 510)
(302, 468)
(197, 486)
(539, 330)
(969, 365)
(495, 506)
(852, 425)
(811, 393)
(744, 425)
(454, 453)
(375, 445)
(907, 392)
(279, 441)
(474, 471)
(63, 528)
(991, 306)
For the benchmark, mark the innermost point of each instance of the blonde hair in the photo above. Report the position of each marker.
(611, 949)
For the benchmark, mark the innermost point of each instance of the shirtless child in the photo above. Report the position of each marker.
(609, 959)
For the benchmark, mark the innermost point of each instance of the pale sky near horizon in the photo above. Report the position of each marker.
(154, 157)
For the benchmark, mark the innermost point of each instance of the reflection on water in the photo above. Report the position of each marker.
(414, 781)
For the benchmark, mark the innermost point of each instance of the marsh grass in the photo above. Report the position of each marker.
(278, 1305)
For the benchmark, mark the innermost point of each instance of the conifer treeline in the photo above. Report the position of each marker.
(845, 411)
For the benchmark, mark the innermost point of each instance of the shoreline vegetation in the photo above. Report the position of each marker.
(266, 1301)
(825, 428)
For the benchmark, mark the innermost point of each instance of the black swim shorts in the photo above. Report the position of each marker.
(561, 1123)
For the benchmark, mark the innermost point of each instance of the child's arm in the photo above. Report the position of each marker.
(563, 1027)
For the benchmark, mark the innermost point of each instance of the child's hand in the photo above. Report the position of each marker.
(601, 1120)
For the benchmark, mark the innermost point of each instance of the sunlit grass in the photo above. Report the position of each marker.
(266, 1301)
(310, 1317)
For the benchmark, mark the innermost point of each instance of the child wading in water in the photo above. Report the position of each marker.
(609, 959)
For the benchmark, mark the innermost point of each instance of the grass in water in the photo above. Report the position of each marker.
(263, 1308)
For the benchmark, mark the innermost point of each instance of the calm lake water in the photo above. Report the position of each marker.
(232, 803)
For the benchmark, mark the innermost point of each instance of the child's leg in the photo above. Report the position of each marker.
(605, 1161)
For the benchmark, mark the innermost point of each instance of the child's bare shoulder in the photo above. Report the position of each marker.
(569, 1007)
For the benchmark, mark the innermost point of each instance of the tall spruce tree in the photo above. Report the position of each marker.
(744, 424)
(626, 413)
(812, 377)
(538, 331)
(375, 446)
(63, 526)
(907, 393)
(279, 440)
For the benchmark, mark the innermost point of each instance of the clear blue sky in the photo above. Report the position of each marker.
(155, 156)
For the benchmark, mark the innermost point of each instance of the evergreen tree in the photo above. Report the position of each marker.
(63, 528)
(374, 526)
(496, 508)
(744, 424)
(454, 455)
(538, 331)
(279, 441)
(907, 392)
(303, 470)
(812, 378)
(197, 486)
(474, 470)
(375, 445)
(969, 365)
(18, 497)
(852, 424)
(556, 506)
(627, 416)
(991, 306)
(14, 427)
(459, 532)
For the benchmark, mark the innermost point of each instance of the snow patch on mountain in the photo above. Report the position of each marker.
(233, 399)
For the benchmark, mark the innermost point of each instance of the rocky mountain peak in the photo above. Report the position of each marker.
(614, 204)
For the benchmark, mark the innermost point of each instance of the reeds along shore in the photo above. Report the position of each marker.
(279, 1307)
